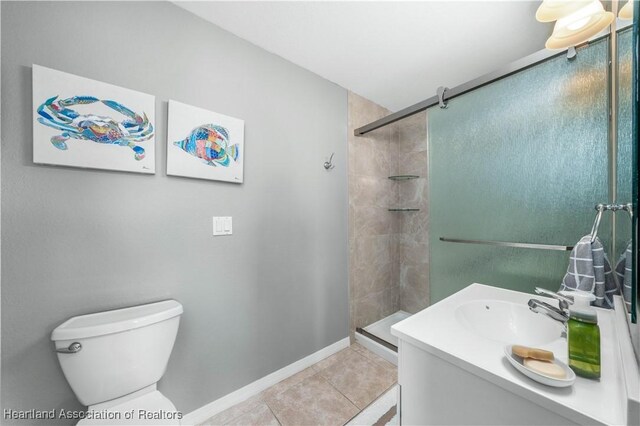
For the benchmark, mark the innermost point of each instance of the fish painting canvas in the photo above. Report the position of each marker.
(80, 122)
(203, 144)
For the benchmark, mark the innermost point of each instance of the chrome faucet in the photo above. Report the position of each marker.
(561, 313)
(540, 307)
(563, 300)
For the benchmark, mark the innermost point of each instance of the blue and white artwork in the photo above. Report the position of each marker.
(81, 122)
(203, 144)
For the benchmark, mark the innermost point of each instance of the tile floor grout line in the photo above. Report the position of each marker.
(273, 413)
(340, 392)
(349, 399)
(292, 387)
(319, 373)
(320, 377)
(375, 400)
(266, 402)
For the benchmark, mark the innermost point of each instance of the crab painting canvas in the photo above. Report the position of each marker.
(203, 144)
(80, 122)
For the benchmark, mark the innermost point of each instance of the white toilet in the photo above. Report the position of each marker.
(114, 359)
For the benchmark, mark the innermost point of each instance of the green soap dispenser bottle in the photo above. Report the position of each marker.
(583, 335)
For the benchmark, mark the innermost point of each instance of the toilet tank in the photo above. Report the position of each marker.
(121, 351)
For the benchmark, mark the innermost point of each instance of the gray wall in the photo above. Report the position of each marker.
(78, 241)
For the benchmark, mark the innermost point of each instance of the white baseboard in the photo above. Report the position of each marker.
(201, 414)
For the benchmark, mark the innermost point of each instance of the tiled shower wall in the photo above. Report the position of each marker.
(374, 285)
(388, 257)
(414, 234)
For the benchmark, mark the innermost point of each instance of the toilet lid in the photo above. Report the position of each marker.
(152, 408)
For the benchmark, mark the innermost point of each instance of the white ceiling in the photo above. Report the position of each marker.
(393, 53)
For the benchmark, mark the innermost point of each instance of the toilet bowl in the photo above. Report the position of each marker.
(113, 361)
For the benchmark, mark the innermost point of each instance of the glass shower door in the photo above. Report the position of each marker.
(524, 160)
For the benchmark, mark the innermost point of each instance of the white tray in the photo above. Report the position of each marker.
(518, 363)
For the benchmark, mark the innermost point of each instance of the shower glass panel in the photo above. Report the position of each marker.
(625, 146)
(523, 160)
(390, 269)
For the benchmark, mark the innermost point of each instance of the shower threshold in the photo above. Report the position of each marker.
(377, 337)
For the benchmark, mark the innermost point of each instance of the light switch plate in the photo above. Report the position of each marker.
(222, 225)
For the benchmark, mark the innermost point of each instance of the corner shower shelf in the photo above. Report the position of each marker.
(404, 210)
(404, 177)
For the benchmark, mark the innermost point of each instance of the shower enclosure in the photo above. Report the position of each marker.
(388, 220)
(497, 179)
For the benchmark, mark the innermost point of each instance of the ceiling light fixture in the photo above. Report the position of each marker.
(627, 11)
(552, 10)
(576, 21)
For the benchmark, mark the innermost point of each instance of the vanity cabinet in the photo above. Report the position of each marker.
(452, 368)
(436, 392)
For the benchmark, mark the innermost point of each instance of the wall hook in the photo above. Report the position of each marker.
(328, 165)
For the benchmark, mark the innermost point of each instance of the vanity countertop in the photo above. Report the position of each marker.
(437, 331)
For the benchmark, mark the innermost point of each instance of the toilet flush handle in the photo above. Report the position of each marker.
(72, 349)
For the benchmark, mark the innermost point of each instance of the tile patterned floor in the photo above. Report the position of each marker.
(331, 392)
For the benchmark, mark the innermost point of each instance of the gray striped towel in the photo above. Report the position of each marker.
(590, 270)
(623, 273)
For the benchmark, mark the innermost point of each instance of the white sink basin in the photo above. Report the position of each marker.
(459, 343)
(508, 323)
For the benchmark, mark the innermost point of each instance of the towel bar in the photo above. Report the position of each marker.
(509, 244)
